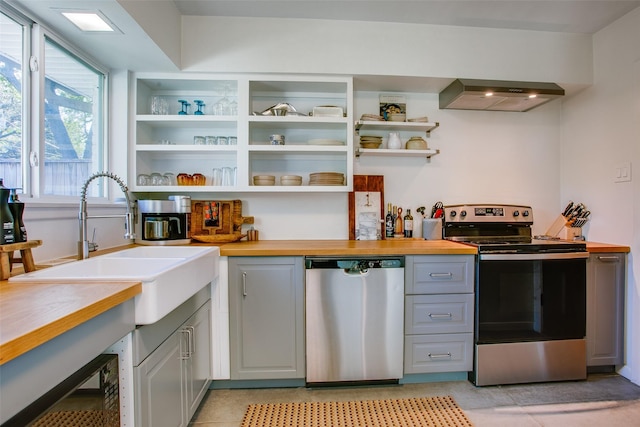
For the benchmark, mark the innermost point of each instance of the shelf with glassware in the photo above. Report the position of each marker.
(385, 126)
(168, 142)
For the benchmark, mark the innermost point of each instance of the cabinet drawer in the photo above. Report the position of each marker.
(438, 314)
(438, 353)
(439, 274)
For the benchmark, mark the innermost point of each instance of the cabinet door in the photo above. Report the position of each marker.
(159, 393)
(605, 309)
(266, 320)
(196, 344)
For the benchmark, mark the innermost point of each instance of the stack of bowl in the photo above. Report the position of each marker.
(367, 141)
(290, 180)
(264, 180)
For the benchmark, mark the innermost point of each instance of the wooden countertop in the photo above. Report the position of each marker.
(34, 313)
(607, 247)
(345, 247)
(368, 247)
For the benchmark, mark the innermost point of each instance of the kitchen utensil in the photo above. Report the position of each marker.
(437, 211)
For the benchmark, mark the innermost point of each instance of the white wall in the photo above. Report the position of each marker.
(601, 128)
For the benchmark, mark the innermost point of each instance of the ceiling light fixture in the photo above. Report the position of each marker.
(89, 21)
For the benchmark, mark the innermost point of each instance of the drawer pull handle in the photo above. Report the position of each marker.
(439, 356)
(440, 315)
(441, 275)
(609, 258)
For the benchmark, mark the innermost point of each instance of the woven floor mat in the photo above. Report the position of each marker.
(426, 411)
(79, 418)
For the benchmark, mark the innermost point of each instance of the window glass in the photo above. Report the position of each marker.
(11, 106)
(73, 107)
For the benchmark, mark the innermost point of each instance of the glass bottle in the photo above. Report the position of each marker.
(408, 224)
(6, 218)
(399, 226)
(389, 224)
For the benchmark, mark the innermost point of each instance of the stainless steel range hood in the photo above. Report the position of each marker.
(497, 95)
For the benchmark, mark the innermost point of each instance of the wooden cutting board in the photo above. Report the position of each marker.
(217, 221)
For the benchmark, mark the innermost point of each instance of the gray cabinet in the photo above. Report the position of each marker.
(605, 308)
(439, 313)
(172, 372)
(266, 317)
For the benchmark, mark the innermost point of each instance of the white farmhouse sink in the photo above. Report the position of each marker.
(169, 275)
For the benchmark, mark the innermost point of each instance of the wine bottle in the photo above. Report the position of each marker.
(408, 224)
(389, 224)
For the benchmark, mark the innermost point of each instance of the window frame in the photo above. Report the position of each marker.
(35, 37)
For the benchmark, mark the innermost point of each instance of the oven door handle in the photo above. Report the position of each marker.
(533, 257)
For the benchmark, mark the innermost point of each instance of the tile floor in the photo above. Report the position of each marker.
(601, 400)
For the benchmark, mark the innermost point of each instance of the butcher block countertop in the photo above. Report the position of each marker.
(367, 247)
(34, 313)
(345, 247)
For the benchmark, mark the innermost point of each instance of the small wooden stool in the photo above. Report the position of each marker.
(26, 258)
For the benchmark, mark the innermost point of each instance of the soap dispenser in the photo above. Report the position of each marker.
(6, 218)
(17, 209)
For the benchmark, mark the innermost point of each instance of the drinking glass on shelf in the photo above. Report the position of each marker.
(200, 106)
(223, 106)
(156, 179)
(199, 140)
(159, 105)
(184, 109)
(216, 178)
(143, 179)
(210, 140)
(233, 140)
(169, 179)
(228, 176)
(221, 140)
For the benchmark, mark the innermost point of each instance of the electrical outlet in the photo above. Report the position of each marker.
(622, 172)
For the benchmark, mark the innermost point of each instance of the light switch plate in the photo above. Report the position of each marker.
(622, 172)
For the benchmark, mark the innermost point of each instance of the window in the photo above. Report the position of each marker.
(12, 40)
(52, 140)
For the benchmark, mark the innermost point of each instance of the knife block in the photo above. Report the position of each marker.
(556, 227)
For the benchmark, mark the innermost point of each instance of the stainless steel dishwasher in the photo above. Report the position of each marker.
(354, 319)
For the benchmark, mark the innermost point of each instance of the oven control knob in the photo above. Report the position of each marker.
(516, 213)
(463, 213)
(525, 213)
(453, 214)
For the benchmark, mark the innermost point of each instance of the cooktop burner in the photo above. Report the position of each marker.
(500, 229)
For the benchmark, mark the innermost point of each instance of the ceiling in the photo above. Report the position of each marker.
(135, 50)
(572, 16)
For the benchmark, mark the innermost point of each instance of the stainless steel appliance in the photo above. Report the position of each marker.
(530, 297)
(165, 222)
(354, 319)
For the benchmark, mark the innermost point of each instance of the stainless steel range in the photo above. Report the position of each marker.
(530, 297)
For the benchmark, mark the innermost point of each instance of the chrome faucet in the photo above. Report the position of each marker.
(83, 243)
